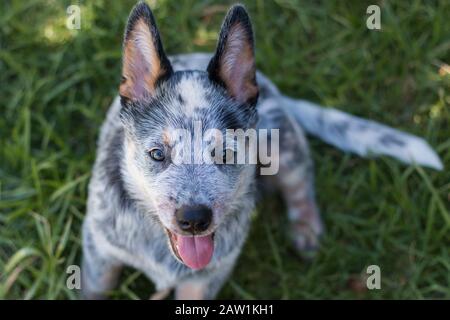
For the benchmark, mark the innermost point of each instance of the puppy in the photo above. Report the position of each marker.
(183, 223)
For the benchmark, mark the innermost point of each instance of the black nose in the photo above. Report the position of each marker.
(194, 219)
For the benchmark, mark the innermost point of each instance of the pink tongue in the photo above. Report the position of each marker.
(196, 252)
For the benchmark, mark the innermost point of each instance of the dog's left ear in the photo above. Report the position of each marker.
(233, 64)
(144, 61)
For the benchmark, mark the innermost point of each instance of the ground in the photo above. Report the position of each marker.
(56, 85)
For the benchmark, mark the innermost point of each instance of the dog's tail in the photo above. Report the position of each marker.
(360, 136)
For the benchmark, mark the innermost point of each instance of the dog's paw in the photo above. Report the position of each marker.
(306, 237)
(161, 294)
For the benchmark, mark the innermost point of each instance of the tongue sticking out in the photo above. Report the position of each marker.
(196, 252)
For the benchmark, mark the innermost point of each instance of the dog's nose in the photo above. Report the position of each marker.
(194, 219)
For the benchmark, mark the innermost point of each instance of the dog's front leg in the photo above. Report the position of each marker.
(198, 289)
(203, 287)
(192, 290)
(99, 273)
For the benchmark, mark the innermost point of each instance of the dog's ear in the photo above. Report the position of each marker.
(233, 64)
(144, 60)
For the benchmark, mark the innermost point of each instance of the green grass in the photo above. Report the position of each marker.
(56, 85)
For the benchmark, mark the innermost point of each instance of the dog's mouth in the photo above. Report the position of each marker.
(194, 251)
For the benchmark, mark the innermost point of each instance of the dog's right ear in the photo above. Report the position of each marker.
(144, 60)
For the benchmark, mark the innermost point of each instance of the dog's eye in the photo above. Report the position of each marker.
(157, 154)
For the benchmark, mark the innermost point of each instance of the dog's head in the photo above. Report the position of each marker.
(170, 117)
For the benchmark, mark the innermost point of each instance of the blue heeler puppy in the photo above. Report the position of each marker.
(184, 225)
